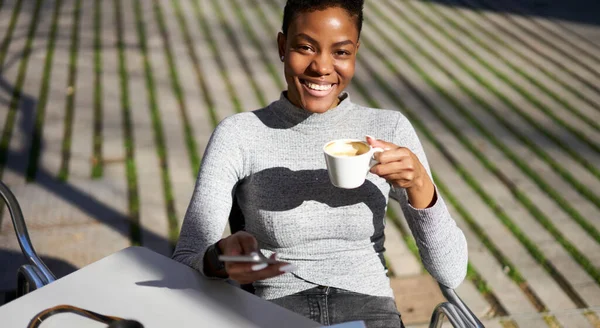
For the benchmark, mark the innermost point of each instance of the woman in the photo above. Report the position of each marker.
(329, 241)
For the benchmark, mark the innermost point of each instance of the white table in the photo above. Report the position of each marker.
(139, 284)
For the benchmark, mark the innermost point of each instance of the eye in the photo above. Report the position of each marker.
(342, 53)
(305, 48)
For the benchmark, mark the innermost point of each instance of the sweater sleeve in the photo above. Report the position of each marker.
(210, 205)
(442, 245)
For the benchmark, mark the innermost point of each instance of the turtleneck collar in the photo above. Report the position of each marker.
(297, 117)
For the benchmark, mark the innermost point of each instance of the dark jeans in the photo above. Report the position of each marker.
(329, 306)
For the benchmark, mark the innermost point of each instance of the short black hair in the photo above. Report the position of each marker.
(295, 7)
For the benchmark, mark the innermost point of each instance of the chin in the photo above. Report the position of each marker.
(319, 104)
(313, 102)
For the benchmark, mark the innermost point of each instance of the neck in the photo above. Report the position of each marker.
(292, 116)
(296, 101)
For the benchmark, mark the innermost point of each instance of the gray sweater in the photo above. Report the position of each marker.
(271, 161)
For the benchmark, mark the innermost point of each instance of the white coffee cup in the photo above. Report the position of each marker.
(349, 161)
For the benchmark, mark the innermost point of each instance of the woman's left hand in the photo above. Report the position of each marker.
(402, 168)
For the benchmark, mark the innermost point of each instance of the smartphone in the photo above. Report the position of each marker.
(255, 258)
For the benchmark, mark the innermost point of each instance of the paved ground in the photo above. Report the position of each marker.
(106, 107)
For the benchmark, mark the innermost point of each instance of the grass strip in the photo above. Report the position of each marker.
(562, 202)
(63, 173)
(9, 33)
(98, 158)
(190, 45)
(273, 71)
(38, 128)
(13, 107)
(556, 97)
(508, 323)
(496, 208)
(484, 289)
(528, 44)
(214, 48)
(500, 43)
(135, 235)
(551, 321)
(592, 318)
(159, 138)
(472, 273)
(188, 131)
(235, 43)
(526, 94)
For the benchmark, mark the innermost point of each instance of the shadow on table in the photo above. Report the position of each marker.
(165, 283)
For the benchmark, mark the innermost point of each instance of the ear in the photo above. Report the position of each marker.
(281, 41)
(357, 46)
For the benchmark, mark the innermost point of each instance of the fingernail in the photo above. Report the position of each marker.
(368, 136)
(288, 268)
(258, 267)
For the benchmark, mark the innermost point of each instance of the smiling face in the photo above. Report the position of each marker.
(319, 57)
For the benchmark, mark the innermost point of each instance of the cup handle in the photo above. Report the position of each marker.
(373, 161)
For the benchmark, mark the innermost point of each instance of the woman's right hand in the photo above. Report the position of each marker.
(243, 243)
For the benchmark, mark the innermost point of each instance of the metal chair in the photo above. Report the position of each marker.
(35, 274)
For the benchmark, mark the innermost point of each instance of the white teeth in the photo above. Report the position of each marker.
(319, 87)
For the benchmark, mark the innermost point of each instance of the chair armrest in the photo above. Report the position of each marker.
(41, 270)
(457, 312)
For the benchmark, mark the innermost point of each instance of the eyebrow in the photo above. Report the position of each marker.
(337, 44)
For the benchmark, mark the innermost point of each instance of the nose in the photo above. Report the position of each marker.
(322, 64)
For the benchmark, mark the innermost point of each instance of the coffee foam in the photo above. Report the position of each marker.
(347, 148)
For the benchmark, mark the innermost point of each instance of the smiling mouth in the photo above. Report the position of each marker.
(317, 89)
